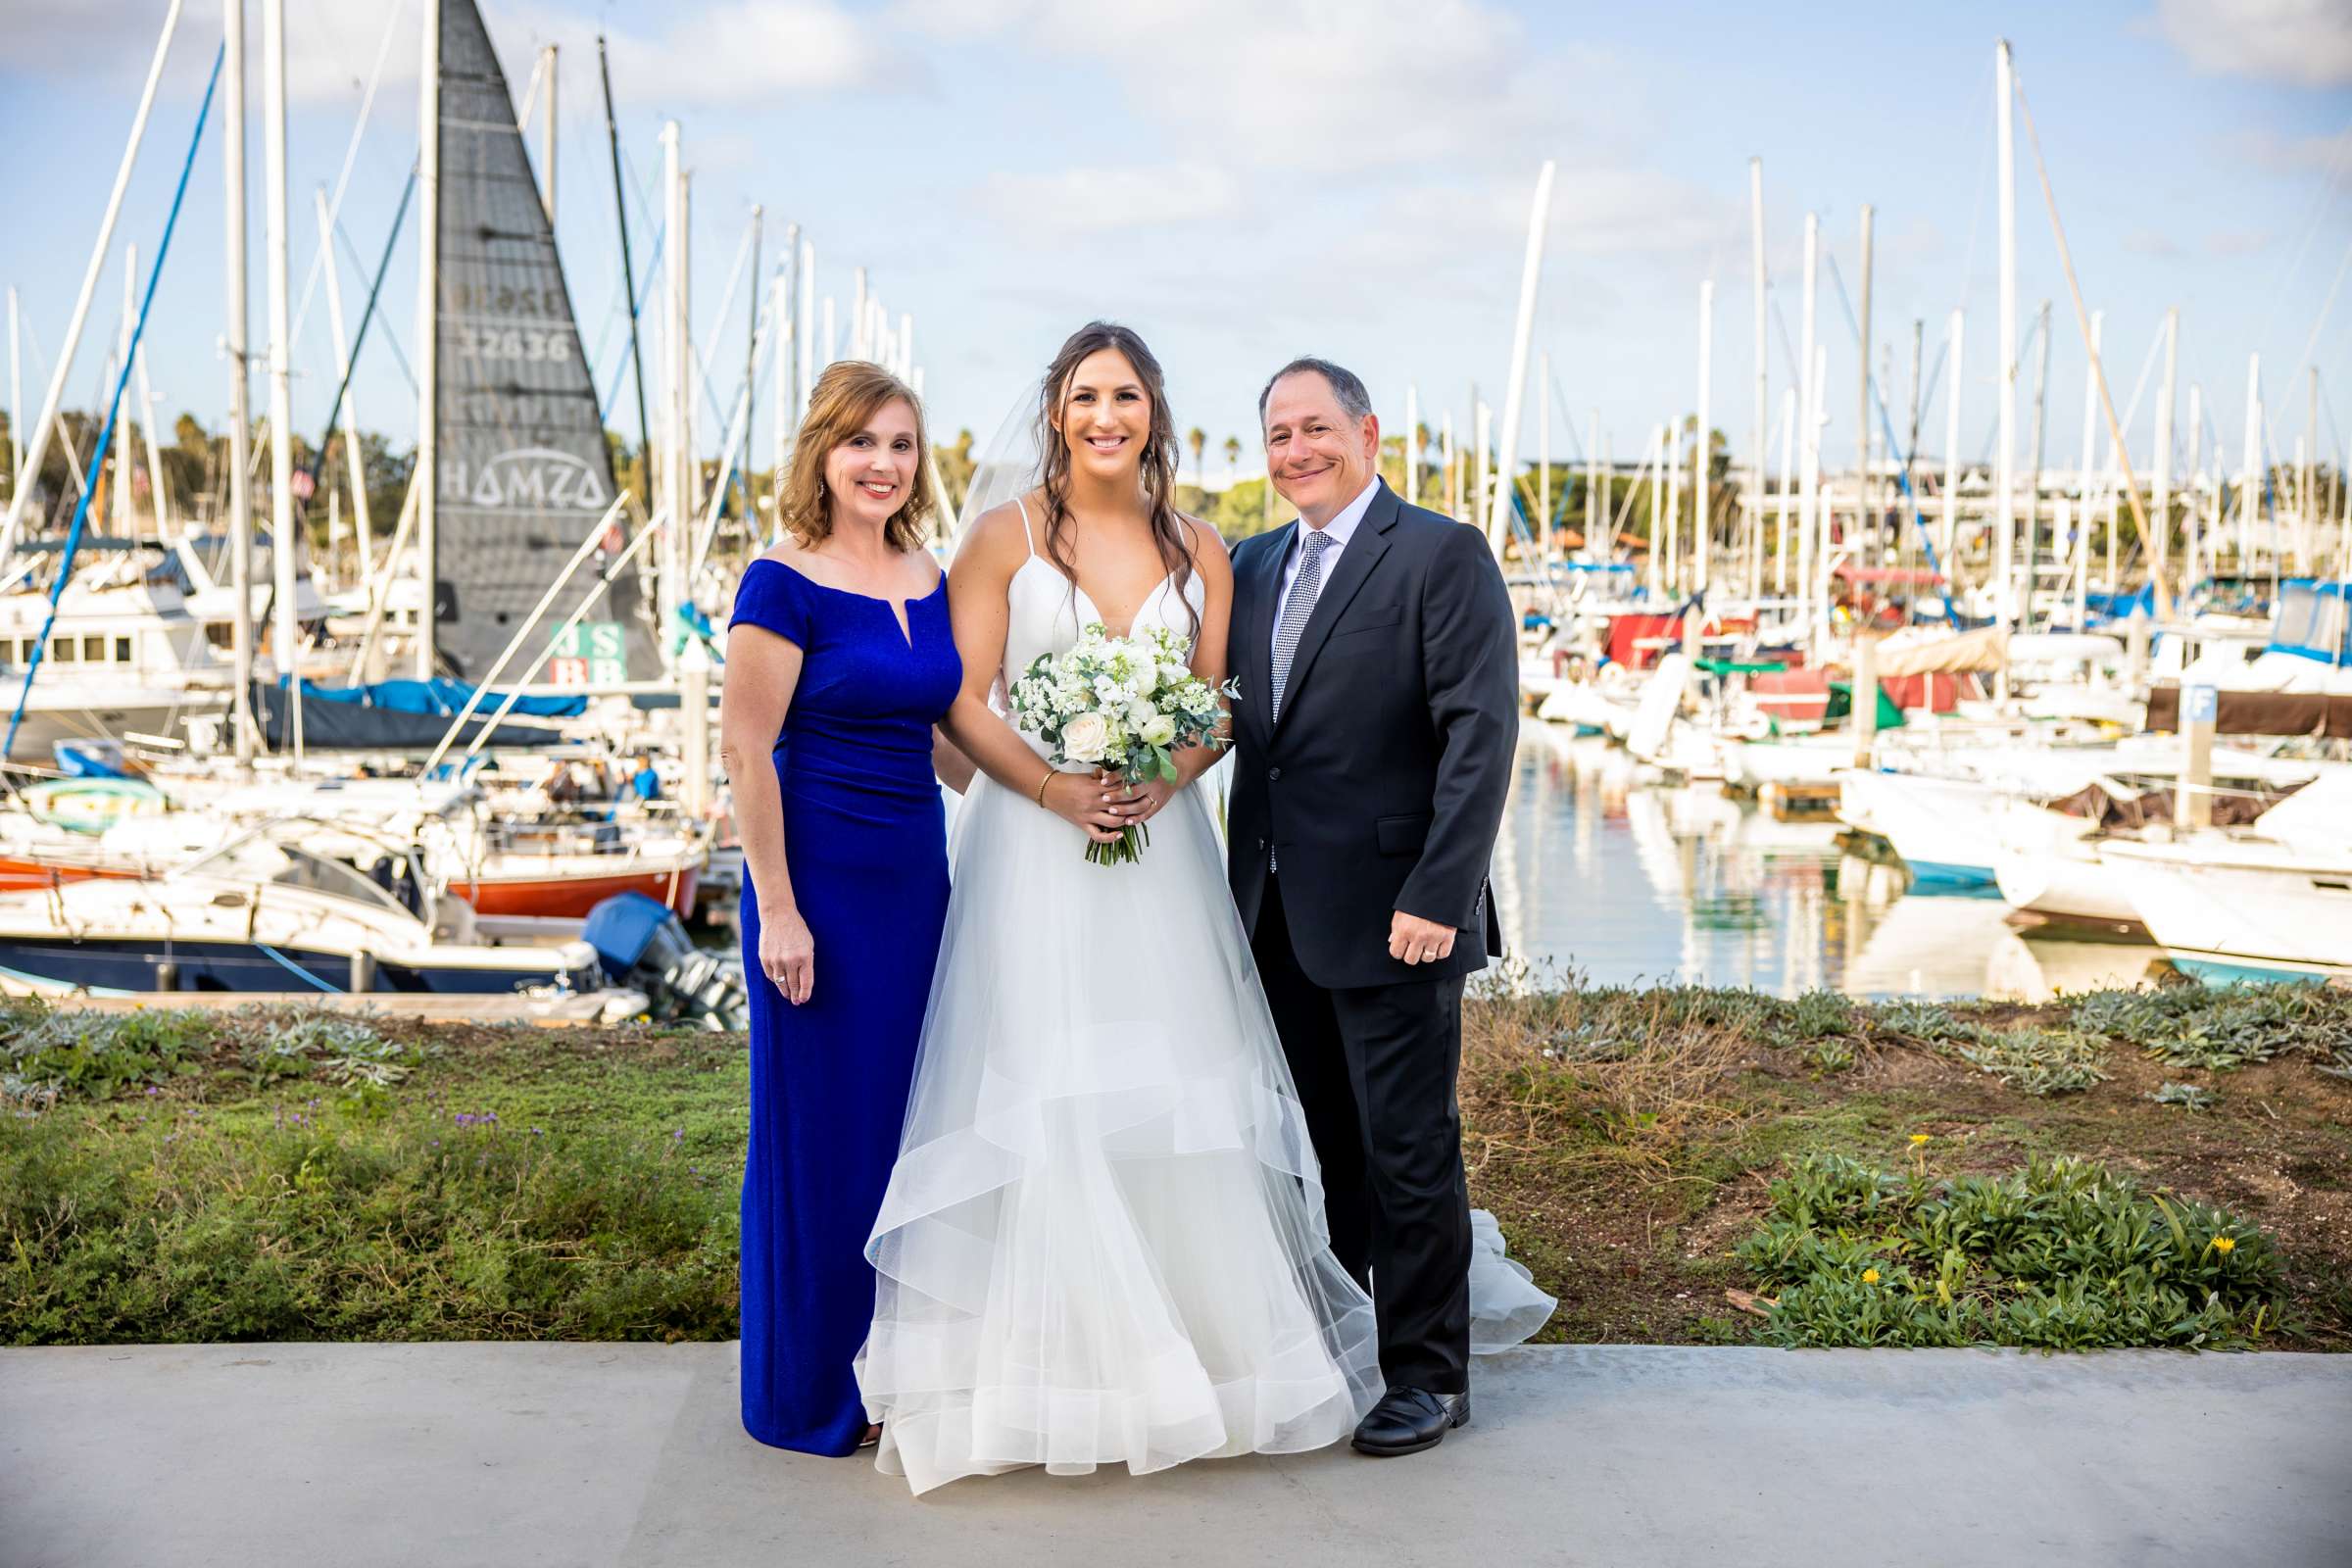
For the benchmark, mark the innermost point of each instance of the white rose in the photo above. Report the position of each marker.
(1159, 730)
(1086, 738)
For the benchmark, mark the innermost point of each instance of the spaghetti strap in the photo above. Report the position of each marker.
(1026, 535)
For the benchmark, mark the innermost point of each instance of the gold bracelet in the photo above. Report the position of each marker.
(1041, 786)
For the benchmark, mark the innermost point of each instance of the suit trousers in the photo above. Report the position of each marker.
(1375, 1067)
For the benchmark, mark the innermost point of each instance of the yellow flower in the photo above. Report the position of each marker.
(1870, 1276)
(2223, 1244)
(1918, 1139)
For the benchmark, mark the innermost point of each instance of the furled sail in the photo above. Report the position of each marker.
(524, 470)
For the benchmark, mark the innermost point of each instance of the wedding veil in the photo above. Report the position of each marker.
(1012, 464)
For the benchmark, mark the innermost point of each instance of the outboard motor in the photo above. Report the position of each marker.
(642, 944)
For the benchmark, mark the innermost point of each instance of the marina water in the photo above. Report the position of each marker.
(1608, 872)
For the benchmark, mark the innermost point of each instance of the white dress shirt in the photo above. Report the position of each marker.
(1338, 530)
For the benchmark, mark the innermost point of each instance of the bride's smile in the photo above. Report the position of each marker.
(1105, 418)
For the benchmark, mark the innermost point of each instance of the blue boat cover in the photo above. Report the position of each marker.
(440, 696)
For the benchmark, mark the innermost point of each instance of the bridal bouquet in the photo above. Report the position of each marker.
(1124, 704)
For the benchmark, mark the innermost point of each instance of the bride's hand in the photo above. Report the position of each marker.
(1137, 802)
(1086, 801)
(788, 954)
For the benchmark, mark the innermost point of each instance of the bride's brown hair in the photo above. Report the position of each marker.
(1156, 466)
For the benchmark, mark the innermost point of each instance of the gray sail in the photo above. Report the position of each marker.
(524, 470)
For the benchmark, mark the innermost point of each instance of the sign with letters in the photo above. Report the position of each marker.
(592, 653)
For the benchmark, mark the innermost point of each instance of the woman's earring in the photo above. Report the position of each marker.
(820, 489)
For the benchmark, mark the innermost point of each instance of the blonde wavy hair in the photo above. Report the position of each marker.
(846, 396)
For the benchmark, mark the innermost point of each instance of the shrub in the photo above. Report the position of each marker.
(2060, 1255)
(2225, 1028)
(2037, 1061)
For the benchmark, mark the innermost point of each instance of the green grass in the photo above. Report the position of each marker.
(170, 1176)
(2060, 1255)
(271, 1181)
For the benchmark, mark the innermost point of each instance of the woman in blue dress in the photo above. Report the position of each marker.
(840, 660)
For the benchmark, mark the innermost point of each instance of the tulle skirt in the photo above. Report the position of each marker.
(1103, 1240)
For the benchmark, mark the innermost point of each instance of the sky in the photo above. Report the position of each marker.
(1244, 182)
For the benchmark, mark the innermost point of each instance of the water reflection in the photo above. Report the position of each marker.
(1629, 880)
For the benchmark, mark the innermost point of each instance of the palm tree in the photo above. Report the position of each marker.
(1198, 440)
(1232, 457)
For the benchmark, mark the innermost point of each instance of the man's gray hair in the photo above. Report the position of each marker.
(1345, 386)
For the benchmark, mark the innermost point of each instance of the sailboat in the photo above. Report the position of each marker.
(520, 470)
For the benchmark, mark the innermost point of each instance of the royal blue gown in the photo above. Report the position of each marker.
(866, 840)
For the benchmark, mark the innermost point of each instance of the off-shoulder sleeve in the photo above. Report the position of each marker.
(773, 598)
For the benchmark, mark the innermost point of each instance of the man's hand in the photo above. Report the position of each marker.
(1414, 940)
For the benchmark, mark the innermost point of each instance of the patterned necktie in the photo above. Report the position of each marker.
(1295, 612)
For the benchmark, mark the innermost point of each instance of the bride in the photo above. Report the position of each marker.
(1103, 1240)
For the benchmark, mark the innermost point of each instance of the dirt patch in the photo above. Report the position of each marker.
(1625, 1182)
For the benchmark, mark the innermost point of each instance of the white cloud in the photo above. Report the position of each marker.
(2150, 242)
(2306, 42)
(732, 51)
(1340, 86)
(1092, 200)
(742, 52)
(331, 45)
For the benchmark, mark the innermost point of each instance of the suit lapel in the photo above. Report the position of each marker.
(1363, 551)
(1253, 658)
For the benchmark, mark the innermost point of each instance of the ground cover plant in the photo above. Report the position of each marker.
(247, 1175)
(2060, 1255)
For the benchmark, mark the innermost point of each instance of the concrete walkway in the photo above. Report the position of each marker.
(254, 1455)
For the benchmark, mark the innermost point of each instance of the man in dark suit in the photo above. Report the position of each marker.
(1373, 738)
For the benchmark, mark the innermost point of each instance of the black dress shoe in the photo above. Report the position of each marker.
(1408, 1420)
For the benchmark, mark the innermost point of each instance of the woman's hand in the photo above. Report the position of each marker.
(1086, 799)
(788, 954)
(1137, 802)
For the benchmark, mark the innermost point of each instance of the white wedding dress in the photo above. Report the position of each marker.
(1103, 1240)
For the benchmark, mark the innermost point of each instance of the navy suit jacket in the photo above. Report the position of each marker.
(1383, 784)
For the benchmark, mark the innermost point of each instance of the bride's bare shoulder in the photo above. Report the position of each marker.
(1207, 548)
(996, 543)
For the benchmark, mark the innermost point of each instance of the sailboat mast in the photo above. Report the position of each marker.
(1957, 338)
(628, 282)
(428, 337)
(750, 364)
(1412, 445)
(1755, 455)
(45, 425)
(1543, 458)
(1514, 396)
(126, 457)
(806, 286)
(1702, 451)
(241, 413)
(1862, 420)
(354, 462)
(285, 635)
(15, 396)
(2250, 476)
(2160, 537)
(677, 502)
(2004, 336)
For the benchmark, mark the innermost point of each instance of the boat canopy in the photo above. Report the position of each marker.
(441, 697)
(2314, 622)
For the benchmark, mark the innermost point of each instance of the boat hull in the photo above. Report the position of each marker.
(126, 966)
(1946, 830)
(2295, 915)
(547, 896)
